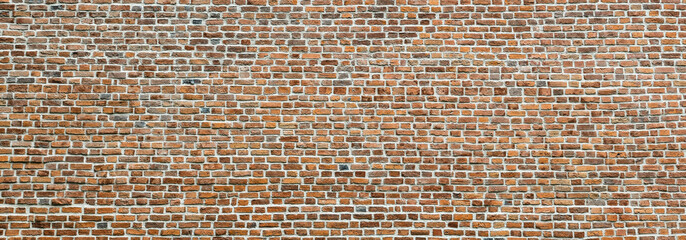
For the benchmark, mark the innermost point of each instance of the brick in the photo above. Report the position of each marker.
(420, 119)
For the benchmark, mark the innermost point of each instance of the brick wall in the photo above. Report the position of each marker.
(331, 119)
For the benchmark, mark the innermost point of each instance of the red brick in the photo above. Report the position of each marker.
(379, 119)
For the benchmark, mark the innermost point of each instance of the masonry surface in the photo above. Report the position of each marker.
(344, 119)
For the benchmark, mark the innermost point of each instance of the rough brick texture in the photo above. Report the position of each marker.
(332, 119)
